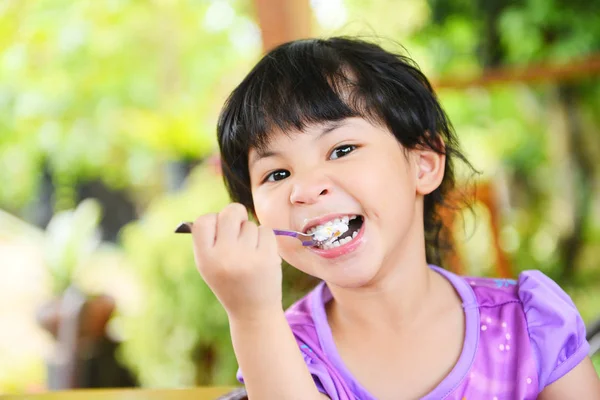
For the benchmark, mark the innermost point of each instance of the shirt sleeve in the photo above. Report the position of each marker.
(556, 329)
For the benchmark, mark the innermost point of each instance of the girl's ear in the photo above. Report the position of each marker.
(430, 170)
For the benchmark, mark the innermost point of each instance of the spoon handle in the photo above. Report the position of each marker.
(307, 240)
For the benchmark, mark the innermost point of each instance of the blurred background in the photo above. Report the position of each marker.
(107, 142)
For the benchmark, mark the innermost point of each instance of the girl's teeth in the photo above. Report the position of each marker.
(345, 220)
(340, 242)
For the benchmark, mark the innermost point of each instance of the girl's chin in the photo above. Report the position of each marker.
(349, 276)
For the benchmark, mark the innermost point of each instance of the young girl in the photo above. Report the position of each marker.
(342, 131)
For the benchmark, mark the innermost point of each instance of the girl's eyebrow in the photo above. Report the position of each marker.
(260, 155)
(330, 126)
(326, 127)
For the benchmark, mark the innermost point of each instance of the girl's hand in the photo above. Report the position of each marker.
(239, 261)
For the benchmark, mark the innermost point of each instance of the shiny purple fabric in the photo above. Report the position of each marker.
(520, 336)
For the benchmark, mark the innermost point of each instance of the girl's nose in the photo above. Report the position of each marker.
(309, 190)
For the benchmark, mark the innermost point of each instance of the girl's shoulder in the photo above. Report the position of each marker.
(532, 289)
(541, 299)
(536, 308)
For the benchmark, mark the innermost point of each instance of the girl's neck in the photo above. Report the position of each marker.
(404, 293)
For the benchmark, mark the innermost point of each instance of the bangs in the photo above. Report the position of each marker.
(313, 81)
(289, 94)
(315, 95)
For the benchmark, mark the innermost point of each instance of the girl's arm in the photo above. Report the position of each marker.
(581, 383)
(270, 360)
(240, 263)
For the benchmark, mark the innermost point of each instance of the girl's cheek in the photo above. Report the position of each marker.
(259, 204)
(269, 210)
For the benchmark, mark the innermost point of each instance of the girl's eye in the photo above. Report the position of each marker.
(278, 175)
(342, 151)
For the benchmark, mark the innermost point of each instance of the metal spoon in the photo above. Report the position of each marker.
(306, 239)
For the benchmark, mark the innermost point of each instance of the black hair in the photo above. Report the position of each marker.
(312, 81)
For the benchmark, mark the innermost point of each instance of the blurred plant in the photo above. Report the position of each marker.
(112, 91)
(180, 335)
(72, 236)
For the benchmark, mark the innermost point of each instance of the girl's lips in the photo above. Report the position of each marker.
(343, 249)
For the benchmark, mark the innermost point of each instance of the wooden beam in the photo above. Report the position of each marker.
(281, 21)
(529, 74)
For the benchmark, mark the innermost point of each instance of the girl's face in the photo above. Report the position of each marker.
(344, 169)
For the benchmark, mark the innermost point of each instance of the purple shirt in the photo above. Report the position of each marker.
(520, 337)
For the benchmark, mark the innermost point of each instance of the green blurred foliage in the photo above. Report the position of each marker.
(474, 34)
(72, 237)
(113, 89)
(180, 313)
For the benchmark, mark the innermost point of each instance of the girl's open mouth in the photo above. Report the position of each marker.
(341, 238)
(345, 231)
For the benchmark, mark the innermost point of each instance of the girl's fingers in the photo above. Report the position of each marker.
(204, 231)
(229, 223)
(266, 240)
(249, 235)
